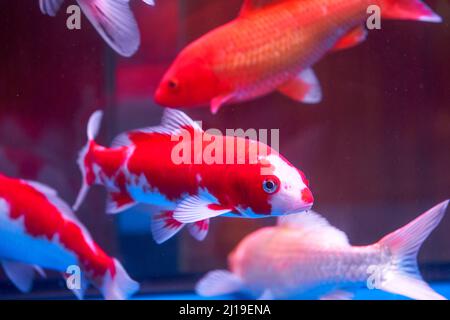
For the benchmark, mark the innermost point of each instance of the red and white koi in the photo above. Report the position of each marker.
(305, 257)
(38, 230)
(139, 168)
(272, 46)
(113, 20)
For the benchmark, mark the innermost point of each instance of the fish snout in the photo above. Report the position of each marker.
(159, 96)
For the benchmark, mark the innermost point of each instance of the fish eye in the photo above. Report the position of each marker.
(172, 84)
(270, 186)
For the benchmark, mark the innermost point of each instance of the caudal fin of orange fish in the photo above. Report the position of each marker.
(401, 275)
(408, 10)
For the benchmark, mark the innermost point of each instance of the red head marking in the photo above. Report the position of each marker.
(307, 196)
(189, 82)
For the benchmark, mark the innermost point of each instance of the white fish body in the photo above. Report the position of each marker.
(304, 256)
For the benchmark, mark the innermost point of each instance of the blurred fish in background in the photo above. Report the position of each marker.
(113, 20)
(271, 46)
(39, 230)
(304, 256)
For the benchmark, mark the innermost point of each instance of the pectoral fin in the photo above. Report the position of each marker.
(22, 275)
(218, 102)
(197, 208)
(164, 226)
(199, 229)
(303, 88)
(218, 282)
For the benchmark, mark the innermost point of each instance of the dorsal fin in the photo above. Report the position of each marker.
(314, 224)
(172, 121)
(253, 5)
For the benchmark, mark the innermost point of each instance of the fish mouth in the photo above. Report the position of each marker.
(158, 97)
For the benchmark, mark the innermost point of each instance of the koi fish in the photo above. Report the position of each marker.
(140, 168)
(304, 256)
(39, 230)
(272, 46)
(112, 19)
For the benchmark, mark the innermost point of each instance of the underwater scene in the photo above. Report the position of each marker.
(224, 149)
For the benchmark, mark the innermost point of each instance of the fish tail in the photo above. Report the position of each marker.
(408, 10)
(402, 275)
(119, 286)
(85, 158)
(115, 22)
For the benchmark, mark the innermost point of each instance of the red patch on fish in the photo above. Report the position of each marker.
(307, 196)
(41, 218)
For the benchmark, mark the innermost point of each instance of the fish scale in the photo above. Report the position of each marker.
(270, 46)
(298, 263)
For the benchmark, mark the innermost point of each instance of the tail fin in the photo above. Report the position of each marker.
(408, 10)
(402, 276)
(84, 158)
(115, 22)
(120, 286)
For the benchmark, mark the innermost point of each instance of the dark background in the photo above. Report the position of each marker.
(376, 150)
